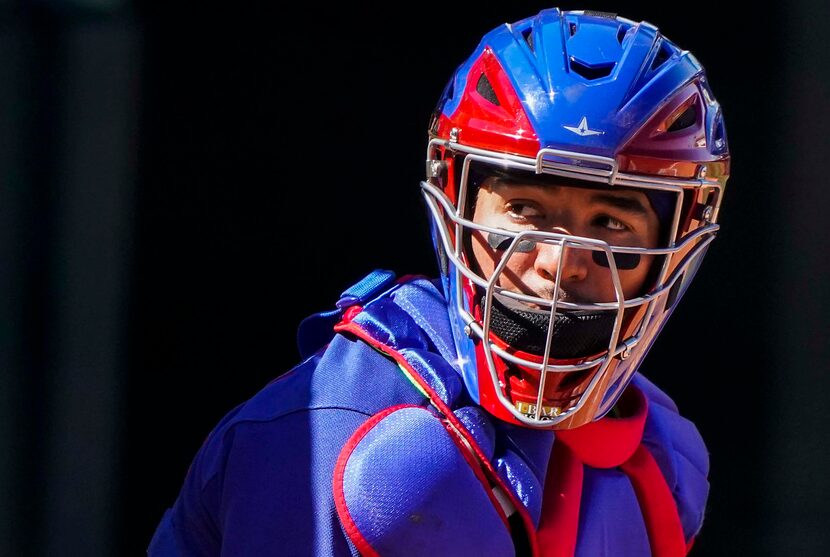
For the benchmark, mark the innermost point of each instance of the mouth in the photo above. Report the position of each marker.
(515, 304)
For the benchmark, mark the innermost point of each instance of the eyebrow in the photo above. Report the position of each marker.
(627, 204)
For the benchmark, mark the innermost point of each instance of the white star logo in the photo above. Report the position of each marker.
(582, 129)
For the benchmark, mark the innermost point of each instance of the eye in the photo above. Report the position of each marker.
(610, 223)
(523, 209)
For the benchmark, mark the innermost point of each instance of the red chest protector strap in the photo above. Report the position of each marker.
(665, 533)
(560, 505)
(608, 443)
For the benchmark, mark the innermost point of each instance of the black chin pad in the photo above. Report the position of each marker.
(624, 261)
(576, 334)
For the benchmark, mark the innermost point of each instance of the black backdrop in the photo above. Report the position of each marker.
(184, 184)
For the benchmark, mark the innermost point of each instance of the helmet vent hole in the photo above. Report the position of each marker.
(591, 72)
(527, 35)
(661, 57)
(573, 29)
(622, 32)
(685, 120)
(485, 89)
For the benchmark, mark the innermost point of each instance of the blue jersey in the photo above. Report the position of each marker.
(371, 446)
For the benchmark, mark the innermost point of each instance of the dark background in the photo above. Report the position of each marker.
(180, 185)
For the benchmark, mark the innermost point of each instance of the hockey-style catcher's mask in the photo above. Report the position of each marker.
(542, 359)
(583, 100)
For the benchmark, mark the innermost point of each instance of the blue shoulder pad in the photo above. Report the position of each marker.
(404, 487)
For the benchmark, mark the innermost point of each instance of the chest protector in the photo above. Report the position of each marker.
(444, 478)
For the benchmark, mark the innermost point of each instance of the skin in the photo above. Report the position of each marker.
(617, 216)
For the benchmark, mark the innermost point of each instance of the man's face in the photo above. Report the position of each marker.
(617, 216)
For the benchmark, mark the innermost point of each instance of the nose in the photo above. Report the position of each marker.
(551, 257)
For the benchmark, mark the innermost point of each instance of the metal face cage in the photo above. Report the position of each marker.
(687, 239)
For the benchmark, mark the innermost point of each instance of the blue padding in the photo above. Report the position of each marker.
(410, 492)
(480, 427)
(609, 511)
(516, 473)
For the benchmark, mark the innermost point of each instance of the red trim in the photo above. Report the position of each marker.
(346, 519)
(609, 442)
(483, 467)
(665, 532)
(350, 313)
(559, 525)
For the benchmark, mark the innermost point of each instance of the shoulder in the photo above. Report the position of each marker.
(333, 391)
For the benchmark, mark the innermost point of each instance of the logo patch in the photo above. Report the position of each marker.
(582, 129)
